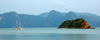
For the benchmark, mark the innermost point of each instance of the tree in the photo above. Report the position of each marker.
(77, 23)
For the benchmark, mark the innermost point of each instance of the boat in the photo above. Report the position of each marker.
(18, 28)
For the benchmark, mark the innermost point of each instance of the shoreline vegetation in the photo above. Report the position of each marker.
(78, 28)
(78, 23)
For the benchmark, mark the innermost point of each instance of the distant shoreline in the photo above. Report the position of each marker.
(77, 28)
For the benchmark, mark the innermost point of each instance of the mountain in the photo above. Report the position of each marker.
(0, 15)
(76, 13)
(54, 14)
(8, 19)
(83, 14)
(44, 14)
(70, 15)
(54, 18)
(49, 19)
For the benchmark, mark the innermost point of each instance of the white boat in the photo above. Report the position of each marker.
(18, 28)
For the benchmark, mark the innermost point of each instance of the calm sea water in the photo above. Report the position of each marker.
(49, 34)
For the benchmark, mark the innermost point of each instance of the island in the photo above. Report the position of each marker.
(78, 23)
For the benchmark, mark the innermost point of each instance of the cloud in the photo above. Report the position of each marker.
(60, 3)
(63, 4)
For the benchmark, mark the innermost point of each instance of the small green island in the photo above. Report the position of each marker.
(78, 23)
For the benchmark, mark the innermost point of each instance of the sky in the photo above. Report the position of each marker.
(36, 7)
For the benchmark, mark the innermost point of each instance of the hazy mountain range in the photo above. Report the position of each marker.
(46, 19)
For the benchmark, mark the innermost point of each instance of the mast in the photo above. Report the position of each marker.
(20, 24)
(17, 23)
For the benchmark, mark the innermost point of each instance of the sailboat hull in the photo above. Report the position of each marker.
(18, 28)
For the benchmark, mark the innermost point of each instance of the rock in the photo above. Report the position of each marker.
(85, 25)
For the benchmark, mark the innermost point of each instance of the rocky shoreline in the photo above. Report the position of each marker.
(77, 28)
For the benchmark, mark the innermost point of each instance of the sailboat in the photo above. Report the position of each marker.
(18, 28)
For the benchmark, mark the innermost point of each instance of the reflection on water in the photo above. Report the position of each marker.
(45, 37)
(48, 36)
(75, 36)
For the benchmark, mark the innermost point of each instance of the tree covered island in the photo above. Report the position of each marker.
(78, 23)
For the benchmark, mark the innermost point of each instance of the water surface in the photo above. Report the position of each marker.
(49, 34)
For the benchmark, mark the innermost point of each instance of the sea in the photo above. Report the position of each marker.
(49, 34)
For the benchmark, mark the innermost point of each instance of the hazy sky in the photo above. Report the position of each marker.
(36, 7)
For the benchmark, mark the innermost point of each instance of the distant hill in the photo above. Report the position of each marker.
(49, 19)
(83, 14)
(63, 13)
(44, 14)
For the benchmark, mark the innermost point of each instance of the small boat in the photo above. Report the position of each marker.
(18, 28)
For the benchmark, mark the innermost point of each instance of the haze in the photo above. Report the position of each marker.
(36, 7)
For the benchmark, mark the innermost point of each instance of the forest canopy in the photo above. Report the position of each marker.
(77, 23)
